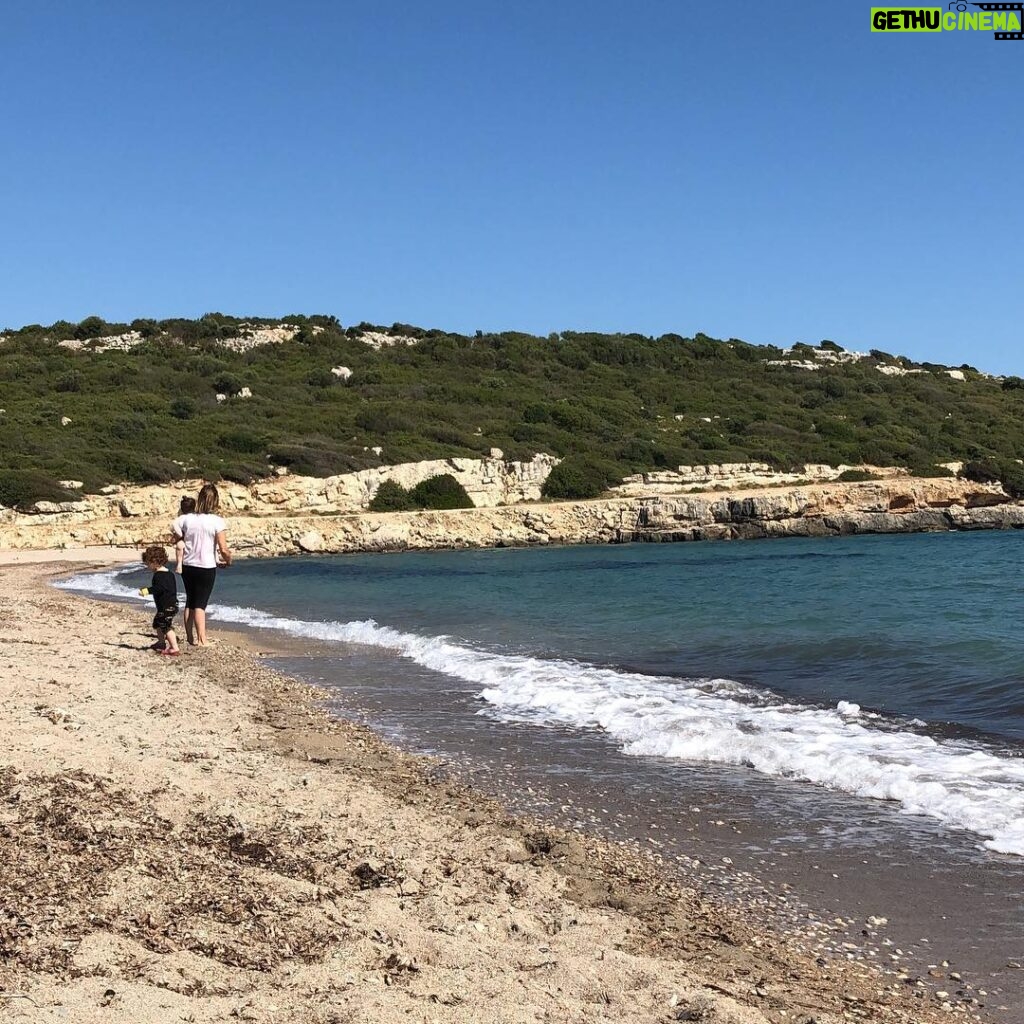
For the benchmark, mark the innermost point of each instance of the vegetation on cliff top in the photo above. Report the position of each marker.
(611, 404)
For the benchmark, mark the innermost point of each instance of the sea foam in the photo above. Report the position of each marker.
(959, 783)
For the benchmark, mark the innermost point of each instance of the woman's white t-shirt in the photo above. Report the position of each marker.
(199, 532)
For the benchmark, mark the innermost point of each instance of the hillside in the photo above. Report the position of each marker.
(96, 403)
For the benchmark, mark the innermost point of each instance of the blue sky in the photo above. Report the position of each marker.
(768, 171)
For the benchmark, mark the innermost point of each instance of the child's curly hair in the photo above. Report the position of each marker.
(155, 554)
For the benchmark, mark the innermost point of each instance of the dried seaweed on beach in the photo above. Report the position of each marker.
(67, 840)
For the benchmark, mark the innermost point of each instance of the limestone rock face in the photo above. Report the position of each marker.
(297, 523)
(111, 343)
(736, 475)
(310, 541)
(489, 482)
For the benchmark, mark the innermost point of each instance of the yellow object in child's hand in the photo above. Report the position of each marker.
(145, 591)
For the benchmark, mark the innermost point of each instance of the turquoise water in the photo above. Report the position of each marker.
(886, 668)
(926, 626)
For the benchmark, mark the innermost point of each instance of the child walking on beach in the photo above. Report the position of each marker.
(186, 508)
(164, 589)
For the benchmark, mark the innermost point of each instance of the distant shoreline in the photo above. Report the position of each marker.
(894, 505)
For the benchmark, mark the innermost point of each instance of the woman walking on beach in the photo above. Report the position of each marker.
(204, 535)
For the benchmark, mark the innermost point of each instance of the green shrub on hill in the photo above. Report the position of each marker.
(436, 492)
(925, 470)
(580, 477)
(855, 476)
(391, 497)
(22, 488)
(1011, 476)
(627, 402)
(981, 471)
(440, 492)
(1009, 473)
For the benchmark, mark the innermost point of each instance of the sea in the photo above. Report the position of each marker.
(840, 720)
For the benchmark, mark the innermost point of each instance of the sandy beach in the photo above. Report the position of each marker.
(198, 840)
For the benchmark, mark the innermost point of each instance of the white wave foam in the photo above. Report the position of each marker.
(104, 584)
(959, 784)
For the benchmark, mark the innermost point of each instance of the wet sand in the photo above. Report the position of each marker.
(825, 865)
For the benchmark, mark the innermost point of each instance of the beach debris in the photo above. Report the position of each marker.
(397, 963)
(370, 875)
(539, 843)
(58, 716)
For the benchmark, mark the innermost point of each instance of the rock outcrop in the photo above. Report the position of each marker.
(736, 475)
(900, 505)
(489, 481)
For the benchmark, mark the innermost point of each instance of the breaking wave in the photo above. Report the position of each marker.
(962, 784)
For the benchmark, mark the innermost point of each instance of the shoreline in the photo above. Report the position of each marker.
(418, 887)
(894, 505)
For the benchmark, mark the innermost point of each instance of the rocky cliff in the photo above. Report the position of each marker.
(489, 481)
(738, 475)
(898, 505)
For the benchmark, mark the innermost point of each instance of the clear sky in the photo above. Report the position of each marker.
(771, 171)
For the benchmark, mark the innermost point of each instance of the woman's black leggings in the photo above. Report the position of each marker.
(198, 585)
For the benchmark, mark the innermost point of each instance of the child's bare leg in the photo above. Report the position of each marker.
(172, 639)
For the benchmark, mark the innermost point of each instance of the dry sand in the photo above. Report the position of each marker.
(196, 840)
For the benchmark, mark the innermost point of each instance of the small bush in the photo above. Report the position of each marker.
(146, 327)
(536, 412)
(981, 471)
(929, 470)
(241, 474)
(855, 476)
(243, 441)
(69, 382)
(127, 467)
(642, 455)
(440, 492)
(391, 497)
(22, 488)
(90, 327)
(183, 408)
(321, 379)
(381, 419)
(311, 461)
(579, 477)
(1011, 476)
(227, 384)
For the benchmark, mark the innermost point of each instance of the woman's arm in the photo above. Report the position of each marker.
(222, 547)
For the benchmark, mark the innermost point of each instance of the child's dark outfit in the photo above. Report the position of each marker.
(164, 589)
